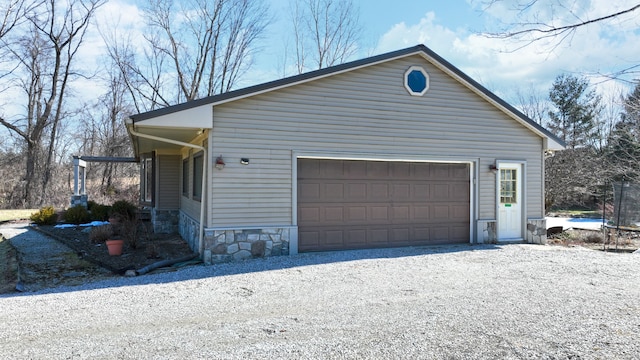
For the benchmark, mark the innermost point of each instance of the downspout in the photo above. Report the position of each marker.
(204, 177)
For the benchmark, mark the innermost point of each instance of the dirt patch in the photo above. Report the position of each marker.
(150, 248)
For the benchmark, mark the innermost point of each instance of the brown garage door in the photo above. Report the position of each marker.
(352, 204)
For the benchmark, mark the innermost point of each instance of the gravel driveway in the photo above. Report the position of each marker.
(514, 302)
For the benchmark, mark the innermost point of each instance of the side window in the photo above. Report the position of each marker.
(198, 163)
(146, 179)
(185, 177)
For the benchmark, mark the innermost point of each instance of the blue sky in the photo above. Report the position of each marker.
(451, 28)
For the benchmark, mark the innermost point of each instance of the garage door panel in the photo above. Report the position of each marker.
(421, 170)
(459, 171)
(355, 169)
(334, 238)
(401, 235)
(401, 170)
(356, 214)
(440, 212)
(379, 192)
(353, 204)
(459, 234)
(379, 213)
(311, 240)
(440, 171)
(357, 237)
(421, 191)
(421, 213)
(333, 191)
(378, 236)
(309, 191)
(334, 214)
(439, 233)
(421, 233)
(440, 192)
(309, 215)
(356, 192)
(401, 214)
(377, 169)
(459, 212)
(402, 192)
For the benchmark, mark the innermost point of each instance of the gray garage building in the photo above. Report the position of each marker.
(398, 149)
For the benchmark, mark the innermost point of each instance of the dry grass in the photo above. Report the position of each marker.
(595, 239)
(16, 214)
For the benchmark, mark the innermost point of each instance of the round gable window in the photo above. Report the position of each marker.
(416, 81)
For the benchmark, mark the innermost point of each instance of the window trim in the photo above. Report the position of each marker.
(147, 179)
(410, 70)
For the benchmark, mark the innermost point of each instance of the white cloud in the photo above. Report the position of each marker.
(494, 62)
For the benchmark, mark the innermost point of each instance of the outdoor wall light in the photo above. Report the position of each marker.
(219, 163)
(493, 167)
(244, 161)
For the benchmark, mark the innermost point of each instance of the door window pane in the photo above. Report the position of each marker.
(508, 183)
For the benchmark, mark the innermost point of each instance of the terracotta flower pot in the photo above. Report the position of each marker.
(115, 247)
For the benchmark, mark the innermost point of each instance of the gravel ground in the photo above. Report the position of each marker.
(452, 302)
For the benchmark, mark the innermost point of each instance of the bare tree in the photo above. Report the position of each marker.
(45, 54)
(533, 105)
(536, 28)
(200, 47)
(557, 21)
(15, 12)
(326, 32)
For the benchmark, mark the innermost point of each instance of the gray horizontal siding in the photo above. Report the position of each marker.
(366, 111)
(168, 182)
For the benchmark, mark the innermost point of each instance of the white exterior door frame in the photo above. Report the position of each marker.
(510, 200)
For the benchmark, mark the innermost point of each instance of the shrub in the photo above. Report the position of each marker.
(46, 216)
(123, 209)
(91, 204)
(594, 238)
(100, 212)
(99, 234)
(77, 215)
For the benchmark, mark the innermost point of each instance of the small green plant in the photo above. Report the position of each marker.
(124, 210)
(45, 216)
(77, 215)
(100, 234)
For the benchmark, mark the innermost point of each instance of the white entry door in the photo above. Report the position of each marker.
(510, 201)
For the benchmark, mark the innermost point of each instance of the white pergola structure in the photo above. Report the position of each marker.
(79, 196)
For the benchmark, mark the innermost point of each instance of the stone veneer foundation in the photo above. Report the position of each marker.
(188, 229)
(224, 245)
(165, 221)
(488, 233)
(233, 244)
(536, 231)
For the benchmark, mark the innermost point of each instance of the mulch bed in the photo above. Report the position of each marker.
(151, 248)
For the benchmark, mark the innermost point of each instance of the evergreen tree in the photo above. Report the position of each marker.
(574, 118)
(624, 143)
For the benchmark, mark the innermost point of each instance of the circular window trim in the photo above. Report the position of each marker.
(406, 80)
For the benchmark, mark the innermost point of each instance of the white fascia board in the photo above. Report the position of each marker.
(200, 117)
